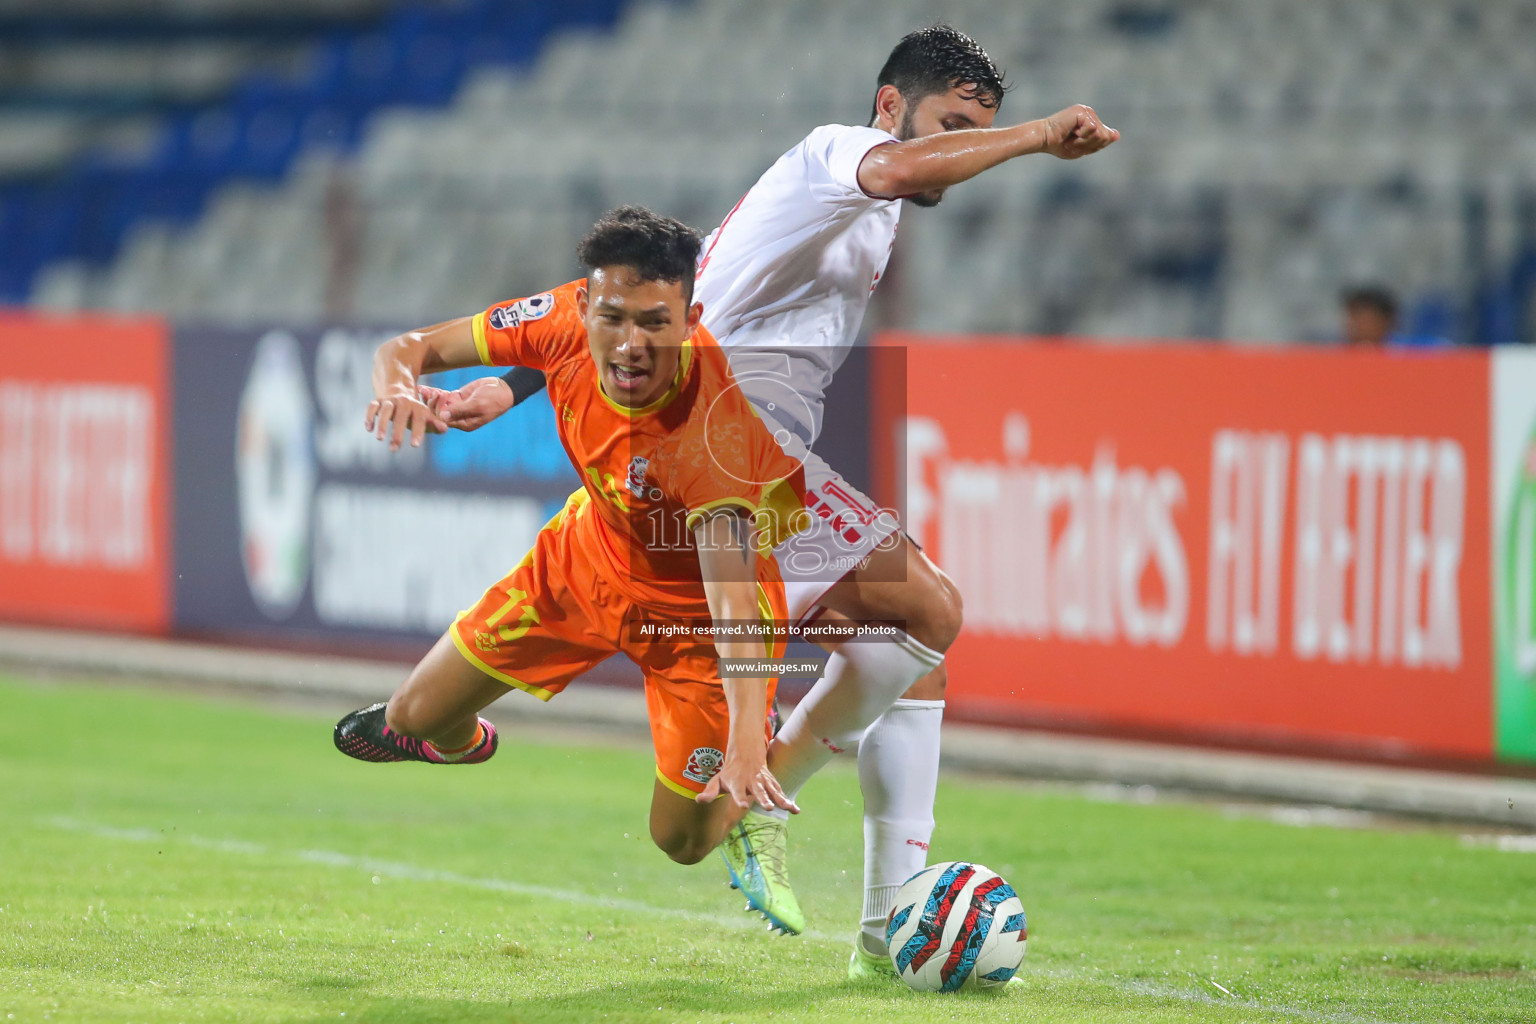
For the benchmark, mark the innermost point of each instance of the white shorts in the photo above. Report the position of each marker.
(846, 526)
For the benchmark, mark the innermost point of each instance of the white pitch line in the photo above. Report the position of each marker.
(1506, 843)
(1157, 990)
(413, 873)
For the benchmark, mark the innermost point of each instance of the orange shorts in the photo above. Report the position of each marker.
(554, 617)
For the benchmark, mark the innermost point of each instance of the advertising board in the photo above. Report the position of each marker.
(83, 474)
(293, 521)
(1513, 386)
(1277, 548)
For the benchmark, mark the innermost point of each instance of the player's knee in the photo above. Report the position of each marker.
(681, 846)
(941, 617)
(406, 716)
(689, 853)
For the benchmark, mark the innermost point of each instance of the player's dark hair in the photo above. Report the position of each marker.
(940, 58)
(655, 247)
(1371, 296)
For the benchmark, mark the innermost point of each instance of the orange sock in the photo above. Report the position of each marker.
(467, 748)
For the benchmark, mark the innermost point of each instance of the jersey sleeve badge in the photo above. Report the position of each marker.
(523, 311)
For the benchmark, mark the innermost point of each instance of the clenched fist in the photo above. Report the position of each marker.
(1075, 132)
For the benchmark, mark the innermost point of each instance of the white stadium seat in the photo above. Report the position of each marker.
(1264, 150)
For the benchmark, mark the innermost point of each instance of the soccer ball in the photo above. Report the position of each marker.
(956, 925)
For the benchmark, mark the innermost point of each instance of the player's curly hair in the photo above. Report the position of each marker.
(939, 58)
(655, 247)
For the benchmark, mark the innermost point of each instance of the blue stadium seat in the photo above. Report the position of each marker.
(416, 57)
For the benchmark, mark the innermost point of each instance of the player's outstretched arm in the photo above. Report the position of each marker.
(483, 399)
(727, 560)
(948, 158)
(397, 407)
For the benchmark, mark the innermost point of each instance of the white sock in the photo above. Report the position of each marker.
(861, 681)
(898, 773)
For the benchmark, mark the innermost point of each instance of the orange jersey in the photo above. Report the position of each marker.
(556, 616)
(651, 472)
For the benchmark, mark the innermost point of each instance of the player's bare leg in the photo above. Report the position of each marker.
(899, 583)
(440, 699)
(686, 830)
(930, 687)
(432, 717)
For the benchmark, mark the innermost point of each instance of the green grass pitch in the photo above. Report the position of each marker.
(165, 857)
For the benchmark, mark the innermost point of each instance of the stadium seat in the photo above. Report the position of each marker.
(474, 141)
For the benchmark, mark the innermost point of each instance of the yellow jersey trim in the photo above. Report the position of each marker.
(788, 512)
(477, 328)
(785, 513)
(676, 787)
(684, 364)
(695, 516)
(772, 647)
(474, 659)
(580, 498)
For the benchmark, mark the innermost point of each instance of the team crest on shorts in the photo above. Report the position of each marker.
(703, 763)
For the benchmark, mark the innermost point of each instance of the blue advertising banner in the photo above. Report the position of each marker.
(291, 521)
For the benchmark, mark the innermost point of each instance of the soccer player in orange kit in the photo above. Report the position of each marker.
(785, 281)
(685, 494)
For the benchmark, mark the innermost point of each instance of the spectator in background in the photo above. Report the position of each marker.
(1370, 316)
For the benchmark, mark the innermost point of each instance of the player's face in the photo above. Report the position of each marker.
(943, 112)
(636, 329)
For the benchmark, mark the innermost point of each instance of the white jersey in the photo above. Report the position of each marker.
(786, 277)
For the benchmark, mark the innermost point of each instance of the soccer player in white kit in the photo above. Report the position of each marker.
(784, 281)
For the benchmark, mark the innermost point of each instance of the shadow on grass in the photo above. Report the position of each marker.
(669, 1000)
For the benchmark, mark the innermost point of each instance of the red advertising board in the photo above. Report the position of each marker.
(83, 472)
(1284, 548)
